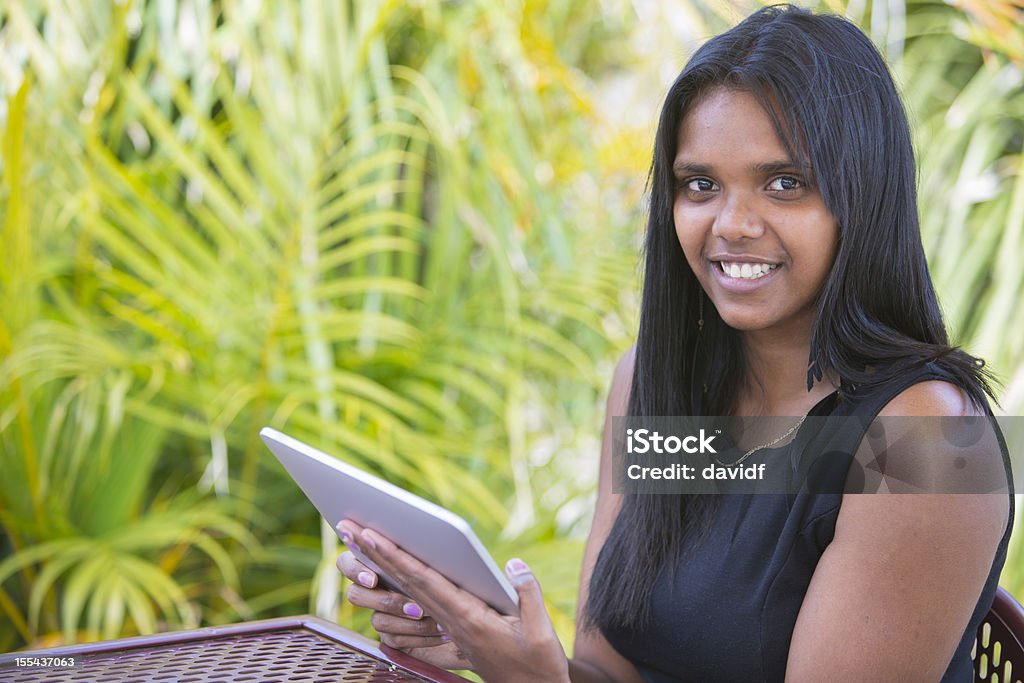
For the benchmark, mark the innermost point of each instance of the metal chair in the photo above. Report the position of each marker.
(999, 646)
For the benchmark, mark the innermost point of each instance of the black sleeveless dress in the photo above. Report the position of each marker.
(730, 611)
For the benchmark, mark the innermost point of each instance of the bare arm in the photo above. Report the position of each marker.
(528, 641)
(894, 591)
(594, 659)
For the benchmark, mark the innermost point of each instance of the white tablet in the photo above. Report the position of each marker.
(436, 537)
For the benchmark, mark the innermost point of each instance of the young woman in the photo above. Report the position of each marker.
(785, 276)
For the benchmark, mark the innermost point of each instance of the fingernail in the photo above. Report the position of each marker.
(346, 537)
(368, 539)
(366, 579)
(445, 638)
(440, 629)
(411, 609)
(516, 566)
(354, 546)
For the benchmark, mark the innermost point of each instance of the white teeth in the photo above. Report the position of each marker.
(747, 271)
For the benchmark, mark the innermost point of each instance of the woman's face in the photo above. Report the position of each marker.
(760, 241)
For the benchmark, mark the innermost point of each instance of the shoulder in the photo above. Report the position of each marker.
(918, 454)
(930, 398)
(930, 440)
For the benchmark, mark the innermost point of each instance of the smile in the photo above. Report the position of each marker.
(746, 271)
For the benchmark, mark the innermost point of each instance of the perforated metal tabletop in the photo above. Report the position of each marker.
(295, 649)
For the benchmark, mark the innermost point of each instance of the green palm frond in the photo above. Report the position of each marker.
(404, 232)
(104, 578)
(282, 222)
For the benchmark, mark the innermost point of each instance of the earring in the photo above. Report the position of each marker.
(700, 335)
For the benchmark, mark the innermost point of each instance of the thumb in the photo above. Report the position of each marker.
(531, 600)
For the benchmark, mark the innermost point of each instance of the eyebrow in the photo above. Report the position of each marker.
(681, 168)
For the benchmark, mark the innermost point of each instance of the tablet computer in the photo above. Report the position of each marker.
(435, 536)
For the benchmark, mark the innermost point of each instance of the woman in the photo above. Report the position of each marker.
(784, 276)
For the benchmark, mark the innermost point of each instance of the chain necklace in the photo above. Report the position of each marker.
(766, 445)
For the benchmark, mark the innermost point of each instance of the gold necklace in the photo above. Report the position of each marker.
(766, 445)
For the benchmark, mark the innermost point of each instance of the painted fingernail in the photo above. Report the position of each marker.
(354, 546)
(516, 566)
(346, 537)
(440, 629)
(368, 539)
(411, 609)
(366, 579)
(445, 638)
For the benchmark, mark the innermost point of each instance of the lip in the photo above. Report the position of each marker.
(737, 285)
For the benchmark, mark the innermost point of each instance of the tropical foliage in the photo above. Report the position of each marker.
(405, 232)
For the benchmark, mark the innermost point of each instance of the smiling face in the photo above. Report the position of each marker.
(758, 238)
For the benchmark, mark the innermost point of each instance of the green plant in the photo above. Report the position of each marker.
(354, 235)
(406, 232)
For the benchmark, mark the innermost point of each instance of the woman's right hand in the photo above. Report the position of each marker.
(401, 623)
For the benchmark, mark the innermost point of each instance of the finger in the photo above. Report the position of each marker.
(356, 571)
(408, 642)
(347, 525)
(384, 622)
(447, 656)
(365, 576)
(438, 595)
(532, 611)
(381, 600)
(349, 531)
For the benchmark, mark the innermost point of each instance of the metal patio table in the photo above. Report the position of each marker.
(303, 649)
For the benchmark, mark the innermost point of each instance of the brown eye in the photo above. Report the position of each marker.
(699, 185)
(785, 184)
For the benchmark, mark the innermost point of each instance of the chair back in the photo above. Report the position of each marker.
(999, 646)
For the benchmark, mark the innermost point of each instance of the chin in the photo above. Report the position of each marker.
(748, 320)
(746, 323)
(756, 319)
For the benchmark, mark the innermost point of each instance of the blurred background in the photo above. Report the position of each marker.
(405, 232)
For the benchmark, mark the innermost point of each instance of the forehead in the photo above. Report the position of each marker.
(728, 125)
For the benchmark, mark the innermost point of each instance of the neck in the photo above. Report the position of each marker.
(775, 382)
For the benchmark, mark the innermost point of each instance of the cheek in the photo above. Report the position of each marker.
(819, 254)
(829, 242)
(690, 236)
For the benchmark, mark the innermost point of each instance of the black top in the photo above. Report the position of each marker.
(729, 613)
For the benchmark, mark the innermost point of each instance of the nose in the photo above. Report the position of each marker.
(737, 219)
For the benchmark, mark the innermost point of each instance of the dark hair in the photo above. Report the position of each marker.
(836, 109)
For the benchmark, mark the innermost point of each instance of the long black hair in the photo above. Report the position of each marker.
(835, 107)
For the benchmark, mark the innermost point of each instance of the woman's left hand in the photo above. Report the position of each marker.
(501, 648)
